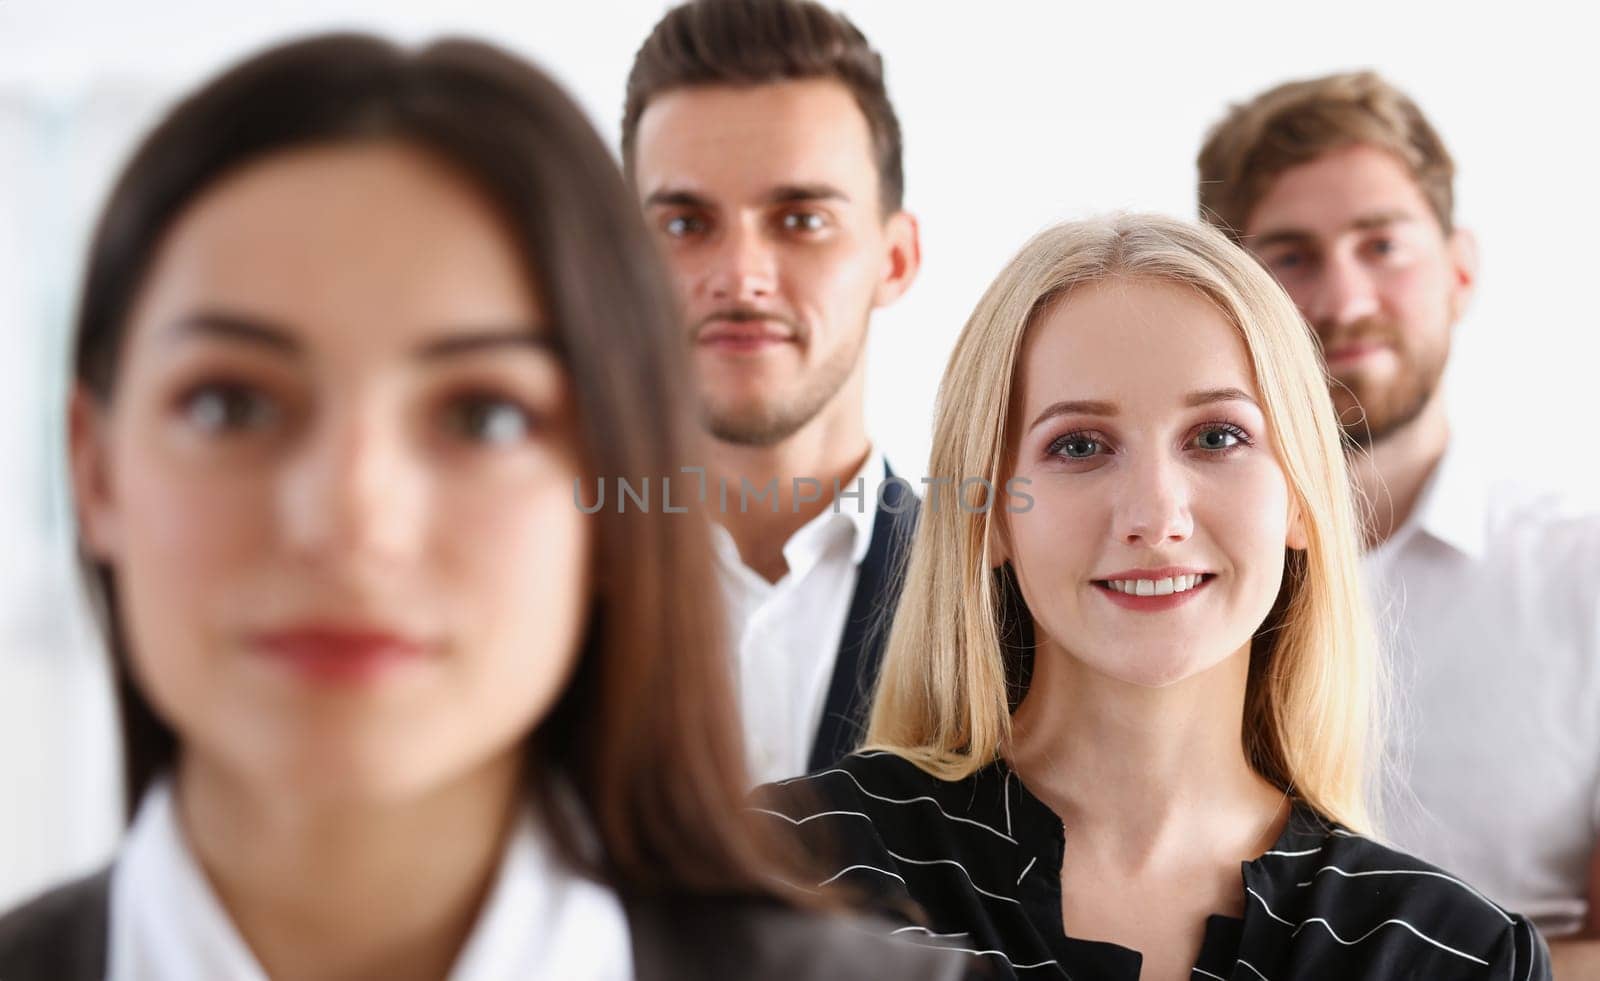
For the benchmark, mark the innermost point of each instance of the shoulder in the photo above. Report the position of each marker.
(1355, 899)
(1553, 536)
(59, 935)
(701, 938)
(868, 780)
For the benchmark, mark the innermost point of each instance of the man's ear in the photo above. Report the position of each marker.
(903, 260)
(89, 459)
(1462, 249)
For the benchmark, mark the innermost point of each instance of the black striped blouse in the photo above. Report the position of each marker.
(975, 865)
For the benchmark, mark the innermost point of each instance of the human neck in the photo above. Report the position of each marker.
(1144, 778)
(1390, 475)
(831, 447)
(350, 890)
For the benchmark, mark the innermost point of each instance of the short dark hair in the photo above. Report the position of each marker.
(645, 731)
(755, 42)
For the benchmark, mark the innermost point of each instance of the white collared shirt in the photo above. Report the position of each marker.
(786, 634)
(1489, 597)
(540, 920)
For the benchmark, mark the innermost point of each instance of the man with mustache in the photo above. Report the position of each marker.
(766, 154)
(1489, 598)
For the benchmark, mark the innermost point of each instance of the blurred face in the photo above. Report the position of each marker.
(1155, 545)
(765, 199)
(334, 483)
(1353, 240)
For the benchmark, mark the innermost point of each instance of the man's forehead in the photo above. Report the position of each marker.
(747, 142)
(1348, 190)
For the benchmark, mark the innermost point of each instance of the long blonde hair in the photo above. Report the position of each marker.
(1312, 700)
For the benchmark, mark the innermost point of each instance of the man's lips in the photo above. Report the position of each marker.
(1350, 353)
(743, 332)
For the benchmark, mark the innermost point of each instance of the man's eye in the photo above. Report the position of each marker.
(489, 420)
(219, 408)
(682, 226)
(804, 221)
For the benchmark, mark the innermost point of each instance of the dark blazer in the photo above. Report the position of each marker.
(866, 626)
(61, 936)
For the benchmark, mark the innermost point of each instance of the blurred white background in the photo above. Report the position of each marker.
(1015, 114)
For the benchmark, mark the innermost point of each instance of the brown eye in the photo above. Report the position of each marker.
(804, 221)
(683, 226)
(489, 420)
(227, 407)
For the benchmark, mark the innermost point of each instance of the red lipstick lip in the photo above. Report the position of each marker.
(337, 653)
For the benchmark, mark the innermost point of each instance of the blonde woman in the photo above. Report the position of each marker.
(1128, 713)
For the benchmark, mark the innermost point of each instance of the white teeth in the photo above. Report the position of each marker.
(1155, 587)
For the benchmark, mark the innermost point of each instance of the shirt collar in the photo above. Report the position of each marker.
(167, 923)
(854, 516)
(1453, 504)
(863, 514)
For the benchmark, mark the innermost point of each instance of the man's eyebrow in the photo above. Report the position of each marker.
(1300, 236)
(790, 193)
(495, 338)
(238, 327)
(673, 197)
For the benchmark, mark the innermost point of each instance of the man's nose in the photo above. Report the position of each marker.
(743, 267)
(1344, 294)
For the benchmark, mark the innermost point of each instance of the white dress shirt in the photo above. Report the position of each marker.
(540, 920)
(786, 634)
(1490, 600)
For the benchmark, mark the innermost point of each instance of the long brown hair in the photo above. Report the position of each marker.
(646, 731)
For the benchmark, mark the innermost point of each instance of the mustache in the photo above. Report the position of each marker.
(748, 315)
(1365, 329)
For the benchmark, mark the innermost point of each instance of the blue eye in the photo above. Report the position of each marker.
(1221, 438)
(1075, 446)
(219, 408)
(490, 420)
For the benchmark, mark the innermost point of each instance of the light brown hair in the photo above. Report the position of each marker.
(1296, 122)
(757, 42)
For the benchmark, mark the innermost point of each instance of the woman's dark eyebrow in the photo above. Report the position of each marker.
(473, 342)
(261, 332)
(243, 328)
